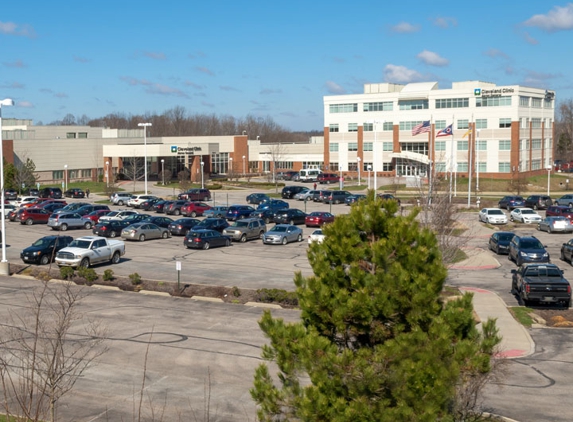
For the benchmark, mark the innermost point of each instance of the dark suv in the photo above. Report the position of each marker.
(527, 249)
(289, 192)
(238, 212)
(511, 201)
(55, 193)
(196, 195)
(336, 197)
(291, 216)
(538, 202)
(327, 178)
(44, 250)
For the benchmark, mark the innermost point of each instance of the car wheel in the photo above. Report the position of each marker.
(120, 203)
(177, 212)
(88, 225)
(244, 238)
(115, 258)
(549, 230)
(206, 198)
(535, 207)
(227, 242)
(284, 241)
(563, 257)
(267, 220)
(85, 263)
(44, 260)
(292, 222)
(112, 234)
(29, 222)
(206, 245)
(511, 218)
(261, 235)
(193, 214)
(570, 204)
(299, 238)
(142, 238)
(164, 235)
(497, 250)
(64, 227)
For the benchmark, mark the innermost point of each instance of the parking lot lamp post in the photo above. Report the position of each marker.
(107, 173)
(163, 170)
(145, 152)
(244, 173)
(340, 177)
(65, 177)
(202, 180)
(358, 159)
(230, 170)
(548, 179)
(369, 170)
(4, 265)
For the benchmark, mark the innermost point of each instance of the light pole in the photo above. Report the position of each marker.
(65, 177)
(145, 151)
(340, 178)
(369, 170)
(163, 170)
(477, 162)
(230, 170)
(358, 159)
(107, 173)
(375, 161)
(548, 179)
(4, 265)
(202, 181)
(244, 173)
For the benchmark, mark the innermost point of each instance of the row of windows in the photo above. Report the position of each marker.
(536, 123)
(73, 135)
(504, 122)
(380, 106)
(481, 145)
(343, 108)
(366, 146)
(453, 103)
(413, 104)
(493, 101)
(481, 167)
(535, 102)
(73, 174)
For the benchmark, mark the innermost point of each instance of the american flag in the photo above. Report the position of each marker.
(421, 128)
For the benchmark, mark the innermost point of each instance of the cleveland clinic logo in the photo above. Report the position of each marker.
(174, 149)
(477, 92)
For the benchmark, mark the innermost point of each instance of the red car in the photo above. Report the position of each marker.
(31, 216)
(318, 218)
(45, 202)
(95, 215)
(559, 211)
(193, 209)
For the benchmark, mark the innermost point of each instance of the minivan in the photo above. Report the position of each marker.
(308, 175)
(55, 193)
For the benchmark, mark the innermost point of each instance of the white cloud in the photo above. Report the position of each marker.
(334, 88)
(24, 104)
(432, 59)
(17, 64)
(10, 28)
(495, 53)
(204, 70)
(154, 88)
(405, 27)
(154, 55)
(445, 22)
(557, 19)
(401, 74)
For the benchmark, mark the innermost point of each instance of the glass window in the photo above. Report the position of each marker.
(71, 135)
(417, 147)
(504, 167)
(409, 125)
(333, 166)
(413, 104)
(536, 102)
(536, 144)
(381, 106)
(87, 173)
(493, 101)
(343, 108)
(368, 146)
(388, 126)
(462, 146)
(463, 166)
(82, 135)
(58, 174)
(353, 166)
(352, 127)
(367, 166)
(440, 167)
(505, 145)
(505, 122)
(440, 145)
(353, 146)
(333, 127)
(463, 124)
(536, 123)
(453, 103)
(524, 101)
(333, 147)
(368, 127)
(481, 145)
(387, 146)
(440, 124)
(482, 166)
(481, 123)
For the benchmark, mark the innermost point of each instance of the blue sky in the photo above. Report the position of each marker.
(264, 58)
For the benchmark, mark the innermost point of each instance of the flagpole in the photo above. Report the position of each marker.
(470, 164)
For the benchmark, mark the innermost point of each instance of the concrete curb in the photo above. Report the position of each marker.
(208, 299)
(263, 305)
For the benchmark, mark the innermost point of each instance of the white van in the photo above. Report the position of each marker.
(308, 175)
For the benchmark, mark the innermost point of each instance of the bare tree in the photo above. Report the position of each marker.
(277, 153)
(24, 171)
(46, 347)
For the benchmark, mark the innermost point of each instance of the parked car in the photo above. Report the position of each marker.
(86, 209)
(524, 215)
(499, 242)
(238, 212)
(318, 218)
(267, 215)
(205, 239)
(25, 200)
(196, 195)
(31, 216)
(149, 203)
(54, 193)
(287, 175)
(555, 224)
(538, 202)
(88, 250)
(257, 198)
(218, 211)
(31, 192)
(492, 216)
(327, 178)
(74, 193)
(336, 197)
(355, 197)
(281, 234)
(51, 207)
(567, 252)
(144, 231)
(511, 201)
(560, 211)
(8, 208)
(194, 209)
(305, 195)
(288, 192)
(72, 207)
(159, 220)
(273, 204)
(118, 215)
(317, 236)
(160, 206)
(109, 228)
(541, 283)
(95, 215)
(120, 198)
(524, 249)
(182, 226)
(136, 218)
(43, 251)
(217, 224)
(136, 200)
(565, 200)
(389, 197)
(69, 220)
(320, 195)
(11, 194)
(290, 216)
(174, 207)
(246, 229)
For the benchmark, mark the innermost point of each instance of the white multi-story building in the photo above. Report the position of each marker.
(497, 131)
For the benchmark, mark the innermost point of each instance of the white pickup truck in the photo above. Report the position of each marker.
(88, 250)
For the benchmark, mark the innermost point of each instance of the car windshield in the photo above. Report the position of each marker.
(495, 212)
(528, 212)
(506, 236)
(41, 242)
(241, 224)
(542, 271)
(531, 244)
(280, 229)
(82, 244)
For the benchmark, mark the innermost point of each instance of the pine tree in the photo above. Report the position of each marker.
(375, 342)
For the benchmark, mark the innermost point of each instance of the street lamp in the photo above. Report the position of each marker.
(230, 170)
(548, 178)
(375, 161)
(4, 266)
(202, 181)
(107, 173)
(65, 177)
(358, 159)
(163, 170)
(145, 151)
(340, 178)
(244, 166)
(477, 161)
(369, 170)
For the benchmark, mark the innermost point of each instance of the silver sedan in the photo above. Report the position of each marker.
(281, 234)
(555, 224)
(144, 231)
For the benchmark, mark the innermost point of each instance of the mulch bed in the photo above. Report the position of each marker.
(558, 317)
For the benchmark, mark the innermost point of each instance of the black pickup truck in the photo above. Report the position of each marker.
(541, 283)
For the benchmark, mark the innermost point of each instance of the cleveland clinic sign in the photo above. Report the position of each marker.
(497, 92)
